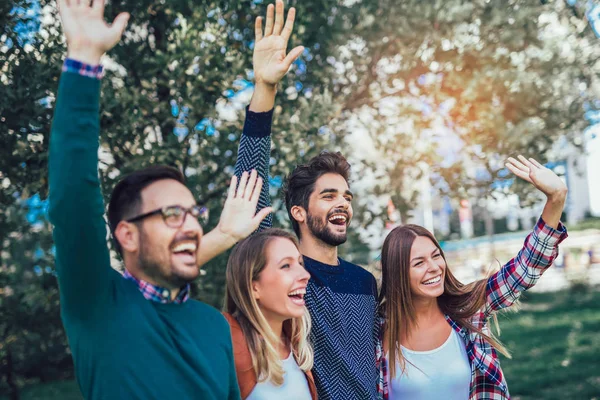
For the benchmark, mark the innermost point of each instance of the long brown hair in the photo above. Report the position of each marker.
(459, 301)
(246, 262)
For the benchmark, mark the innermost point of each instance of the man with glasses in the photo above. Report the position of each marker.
(136, 335)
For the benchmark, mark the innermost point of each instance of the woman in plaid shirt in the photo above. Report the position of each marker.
(436, 326)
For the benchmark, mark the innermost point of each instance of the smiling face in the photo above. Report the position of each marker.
(427, 269)
(281, 285)
(167, 256)
(330, 209)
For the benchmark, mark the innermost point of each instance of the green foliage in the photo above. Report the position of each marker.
(459, 86)
(60, 390)
(176, 54)
(33, 344)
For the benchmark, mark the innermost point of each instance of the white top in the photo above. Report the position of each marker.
(442, 373)
(294, 387)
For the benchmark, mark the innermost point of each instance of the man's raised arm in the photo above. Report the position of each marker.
(270, 65)
(76, 205)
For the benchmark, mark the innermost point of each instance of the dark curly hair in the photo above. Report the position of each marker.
(300, 183)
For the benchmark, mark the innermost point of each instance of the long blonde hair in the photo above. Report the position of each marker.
(246, 262)
(459, 301)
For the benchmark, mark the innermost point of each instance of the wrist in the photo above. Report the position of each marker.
(557, 197)
(263, 98)
(265, 86)
(226, 238)
(89, 57)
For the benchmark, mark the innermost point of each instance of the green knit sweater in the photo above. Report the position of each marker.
(124, 346)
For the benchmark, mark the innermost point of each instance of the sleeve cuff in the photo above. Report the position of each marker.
(77, 67)
(258, 124)
(548, 234)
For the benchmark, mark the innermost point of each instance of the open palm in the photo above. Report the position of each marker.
(270, 59)
(239, 217)
(544, 179)
(86, 31)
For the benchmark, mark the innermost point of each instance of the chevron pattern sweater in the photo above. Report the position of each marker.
(254, 153)
(341, 299)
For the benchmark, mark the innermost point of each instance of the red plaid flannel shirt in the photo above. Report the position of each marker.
(503, 289)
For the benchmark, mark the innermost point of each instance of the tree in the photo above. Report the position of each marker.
(31, 335)
(457, 86)
(173, 94)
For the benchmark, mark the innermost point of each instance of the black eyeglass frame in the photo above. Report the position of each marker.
(201, 214)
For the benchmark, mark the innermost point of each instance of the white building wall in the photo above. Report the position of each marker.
(578, 200)
(593, 168)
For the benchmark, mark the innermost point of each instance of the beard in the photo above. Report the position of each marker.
(157, 269)
(321, 231)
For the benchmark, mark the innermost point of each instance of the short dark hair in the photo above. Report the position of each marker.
(300, 183)
(126, 197)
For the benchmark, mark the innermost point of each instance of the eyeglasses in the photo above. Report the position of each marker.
(174, 216)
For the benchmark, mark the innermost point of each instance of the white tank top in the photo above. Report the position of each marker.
(294, 387)
(442, 373)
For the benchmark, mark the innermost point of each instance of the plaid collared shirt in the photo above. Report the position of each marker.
(503, 289)
(77, 67)
(157, 293)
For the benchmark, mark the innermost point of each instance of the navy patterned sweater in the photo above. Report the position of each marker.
(341, 299)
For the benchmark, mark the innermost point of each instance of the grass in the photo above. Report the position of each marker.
(554, 340)
(555, 345)
(589, 223)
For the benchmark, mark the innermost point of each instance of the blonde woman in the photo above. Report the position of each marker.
(435, 339)
(264, 304)
(266, 279)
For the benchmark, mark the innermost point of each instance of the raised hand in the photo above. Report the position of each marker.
(88, 35)
(239, 217)
(270, 60)
(539, 176)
